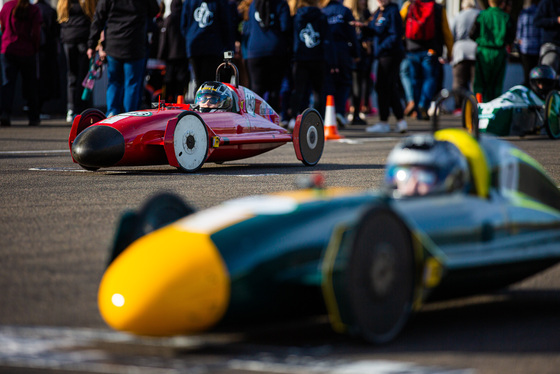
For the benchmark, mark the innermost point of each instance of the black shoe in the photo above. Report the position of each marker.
(34, 122)
(5, 122)
(423, 114)
(358, 121)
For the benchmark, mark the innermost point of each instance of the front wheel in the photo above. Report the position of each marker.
(380, 276)
(160, 210)
(190, 142)
(552, 114)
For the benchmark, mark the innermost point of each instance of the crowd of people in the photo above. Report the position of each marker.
(293, 53)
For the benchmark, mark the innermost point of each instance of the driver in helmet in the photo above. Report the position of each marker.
(421, 165)
(543, 79)
(212, 97)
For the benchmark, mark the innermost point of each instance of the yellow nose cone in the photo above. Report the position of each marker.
(169, 282)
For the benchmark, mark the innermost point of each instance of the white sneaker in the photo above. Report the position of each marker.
(379, 127)
(292, 124)
(432, 109)
(70, 116)
(402, 126)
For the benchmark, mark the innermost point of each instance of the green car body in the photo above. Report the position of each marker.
(365, 258)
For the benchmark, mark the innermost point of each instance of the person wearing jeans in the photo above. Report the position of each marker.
(124, 24)
(423, 52)
(424, 75)
(125, 84)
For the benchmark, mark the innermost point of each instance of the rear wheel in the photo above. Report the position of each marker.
(311, 137)
(88, 117)
(190, 142)
(380, 276)
(160, 210)
(552, 114)
(470, 113)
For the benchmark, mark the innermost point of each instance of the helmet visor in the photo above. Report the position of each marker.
(412, 180)
(211, 100)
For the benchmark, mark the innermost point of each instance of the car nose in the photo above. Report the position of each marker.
(166, 283)
(98, 146)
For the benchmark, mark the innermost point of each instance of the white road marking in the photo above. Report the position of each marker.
(78, 350)
(34, 152)
(365, 140)
(60, 169)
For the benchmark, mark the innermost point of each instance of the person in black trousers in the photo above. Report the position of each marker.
(269, 36)
(313, 57)
(172, 50)
(75, 18)
(387, 31)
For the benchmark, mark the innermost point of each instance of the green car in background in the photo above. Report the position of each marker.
(522, 111)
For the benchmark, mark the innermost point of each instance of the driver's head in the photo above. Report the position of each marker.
(213, 96)
(542, 79)
(421, 165)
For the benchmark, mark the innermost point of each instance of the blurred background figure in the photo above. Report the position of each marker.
(426, 33)
(361, 74)
(208, 27)
(387, 30)
(172, 50)
(528, 39)
(75, 18)
(20, 23)
(124, 24)
(313, 57)
(492, 31)
(347, 51)
(269, 38)
(464, 50)
(548, 19)
(49, 49)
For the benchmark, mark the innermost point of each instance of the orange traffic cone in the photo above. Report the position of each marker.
(331, 131)
(479, 97)
(180, 99)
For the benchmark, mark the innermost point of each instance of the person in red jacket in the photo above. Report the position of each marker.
(20, 23)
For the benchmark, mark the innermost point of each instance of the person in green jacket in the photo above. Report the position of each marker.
(493, 30)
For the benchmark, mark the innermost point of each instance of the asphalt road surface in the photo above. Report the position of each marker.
(57, 222)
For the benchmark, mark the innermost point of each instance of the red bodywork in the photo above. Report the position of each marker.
(148, 134)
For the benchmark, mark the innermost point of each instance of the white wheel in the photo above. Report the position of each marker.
(190, 142)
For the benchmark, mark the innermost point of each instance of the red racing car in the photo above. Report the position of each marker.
(226, 122)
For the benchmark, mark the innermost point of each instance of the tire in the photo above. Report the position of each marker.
(190, 142)
(552, 114)
(470, 113)
(380, 276)
(311, 137)
(89, 117)
(160, 210)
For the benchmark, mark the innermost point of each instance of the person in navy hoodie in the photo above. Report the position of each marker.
(347, 50)
(387, 30)
(548, 19)
(269, 35)
(312, 57)
(208, 28)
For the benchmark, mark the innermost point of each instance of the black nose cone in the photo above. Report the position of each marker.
(98, 146)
